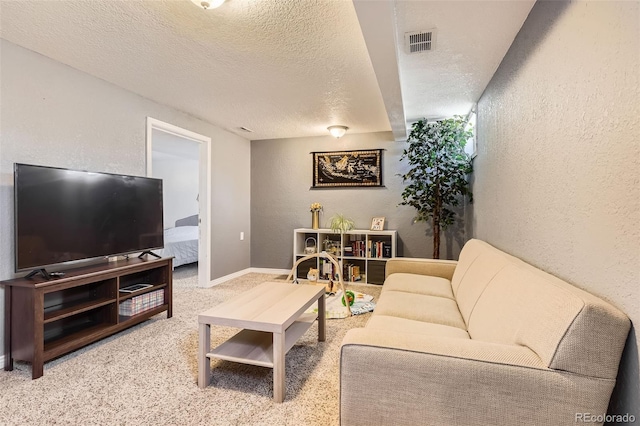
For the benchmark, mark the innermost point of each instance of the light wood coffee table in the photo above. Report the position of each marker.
(272, 318)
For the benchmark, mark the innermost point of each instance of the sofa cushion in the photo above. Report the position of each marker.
(431, 267)
(566, 327)
(504, 299)
(479, 264)
(519, 308)
(468, 255)
(419, 307)
(594, 341)
(404, 325)
(419, 284)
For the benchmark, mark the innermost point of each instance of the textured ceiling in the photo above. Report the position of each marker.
(283, 68)
(471, 38)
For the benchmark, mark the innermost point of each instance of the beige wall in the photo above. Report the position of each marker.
(557, 176)
(281, 175)
(54, 115)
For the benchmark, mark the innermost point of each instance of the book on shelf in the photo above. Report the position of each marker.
(327, 270)
(352, 272)
(379, 249)
(358, 248)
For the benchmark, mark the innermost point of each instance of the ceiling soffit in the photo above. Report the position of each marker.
(471, 38)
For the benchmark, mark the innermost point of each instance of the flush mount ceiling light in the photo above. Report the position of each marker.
(337, 131)
(208, 4)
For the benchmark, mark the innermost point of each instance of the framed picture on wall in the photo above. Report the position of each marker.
(377, 224)
(344, 169)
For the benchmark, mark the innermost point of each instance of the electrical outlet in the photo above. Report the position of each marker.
(242, 236)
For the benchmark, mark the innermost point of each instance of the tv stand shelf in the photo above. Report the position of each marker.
(125, 296)
(45, 319)
(76, 309)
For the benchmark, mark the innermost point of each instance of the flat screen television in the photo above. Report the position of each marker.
(64, 215)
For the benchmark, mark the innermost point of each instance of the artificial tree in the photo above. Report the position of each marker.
(438, 170)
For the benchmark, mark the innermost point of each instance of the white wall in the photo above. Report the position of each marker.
(557, 176)
(54, 115)
(179, 185)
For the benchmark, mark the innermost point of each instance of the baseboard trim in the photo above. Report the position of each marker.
(270, 271)
(242, 272)
(226, 278)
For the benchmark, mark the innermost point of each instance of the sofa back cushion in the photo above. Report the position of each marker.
(478, 264)
(568, 328)
(518, 308)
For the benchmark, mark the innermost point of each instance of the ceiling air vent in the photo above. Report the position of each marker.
(420, 41)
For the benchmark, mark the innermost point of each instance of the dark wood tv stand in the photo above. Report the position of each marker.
(45, 319)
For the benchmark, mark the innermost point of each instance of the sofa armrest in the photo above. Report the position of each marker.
(407, 379)
(431, 267)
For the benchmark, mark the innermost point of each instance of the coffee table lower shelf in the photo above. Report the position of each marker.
(272, 318)
(256, 347)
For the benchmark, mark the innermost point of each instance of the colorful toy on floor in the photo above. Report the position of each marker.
(351, 297)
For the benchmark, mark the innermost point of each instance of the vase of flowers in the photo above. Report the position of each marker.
(315, 215)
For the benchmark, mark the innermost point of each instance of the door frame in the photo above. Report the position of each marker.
(204, 189)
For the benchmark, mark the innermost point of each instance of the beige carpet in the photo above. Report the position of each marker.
(147, 374)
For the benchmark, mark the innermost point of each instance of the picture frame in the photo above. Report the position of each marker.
(347, 169)
(377, 224)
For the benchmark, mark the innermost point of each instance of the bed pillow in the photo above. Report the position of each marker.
(188, 221)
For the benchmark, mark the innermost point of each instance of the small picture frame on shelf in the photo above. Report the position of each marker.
(377, 224)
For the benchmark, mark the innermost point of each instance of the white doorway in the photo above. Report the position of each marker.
(161, 130)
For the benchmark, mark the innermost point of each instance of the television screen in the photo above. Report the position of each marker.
(63, 215)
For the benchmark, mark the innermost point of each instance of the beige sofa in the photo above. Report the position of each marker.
(487, 340)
